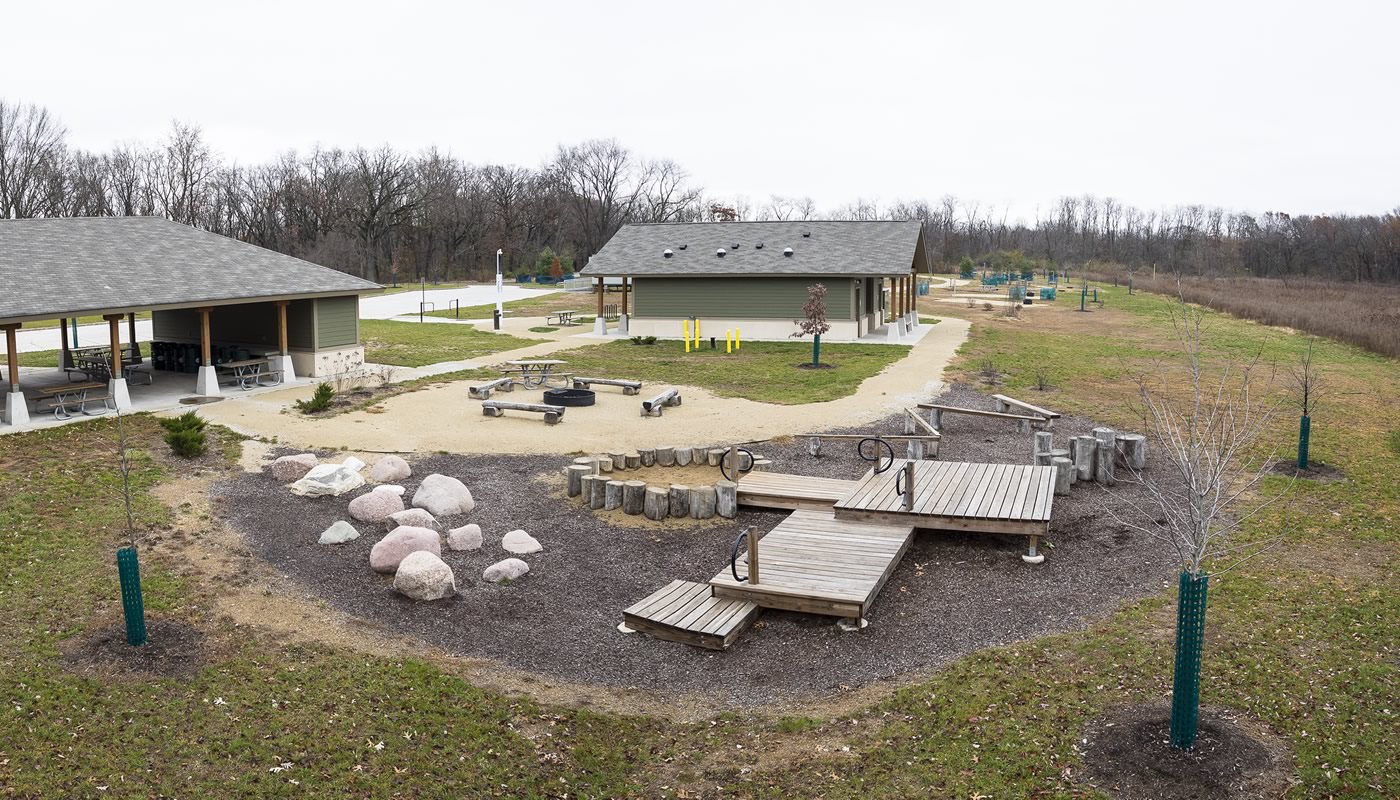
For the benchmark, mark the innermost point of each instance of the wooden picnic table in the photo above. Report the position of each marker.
(248, 372)
(534, 372)
(73, 395)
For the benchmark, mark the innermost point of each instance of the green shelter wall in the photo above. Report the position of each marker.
(738, 297)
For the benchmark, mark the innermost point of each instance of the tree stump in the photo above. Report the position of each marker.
(633, 496)
(1047, 458)
(594, 490)
(665, 456)
(618, 458)
(576, 472)
(1105, 451)
(814, 447)
(633, 460)
(612, 495)
(680, 500)
(1081, 452)
(762, 465)
(1044, 442)
(656, 504)
(714, 456)
(1132, 450)
(647, 455)
(682, 456)
(1064, 474)
(727, 499)
(699, 455)
(702, 502)
(605, 464)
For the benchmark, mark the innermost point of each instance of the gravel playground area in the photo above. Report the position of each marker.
(951, 595)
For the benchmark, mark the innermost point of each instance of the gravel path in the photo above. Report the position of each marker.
(951, 595)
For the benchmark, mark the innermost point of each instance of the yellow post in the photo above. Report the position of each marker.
(728, 342)
(685, 326)
(736, 338)
(697, 334)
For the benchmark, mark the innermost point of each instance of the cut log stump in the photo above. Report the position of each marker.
(633, 497)
(702, 502)
(657, 503)
(680, 500)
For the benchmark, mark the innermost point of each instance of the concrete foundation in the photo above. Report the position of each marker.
(16, 412)
(600, 326)
(288, 367)
(121, 397)
(207, 384)
(622, 324)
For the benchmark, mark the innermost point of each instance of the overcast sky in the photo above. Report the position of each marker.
(1252, 106)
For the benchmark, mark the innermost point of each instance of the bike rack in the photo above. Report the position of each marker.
(456, 306)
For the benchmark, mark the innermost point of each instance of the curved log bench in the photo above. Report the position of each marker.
(483, 391)
(653, 407)
(552, 414)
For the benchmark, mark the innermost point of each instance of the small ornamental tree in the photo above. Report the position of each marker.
(556, 269)
(966, 267)
(1307, 385)
(815, 323)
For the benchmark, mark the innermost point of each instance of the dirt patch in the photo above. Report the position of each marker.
(1128, 755)
(1317, 471)
(173, 649)
(810, 365)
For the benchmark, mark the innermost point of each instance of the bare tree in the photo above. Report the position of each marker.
(814, 322)
(1307, 390)
(32, 149)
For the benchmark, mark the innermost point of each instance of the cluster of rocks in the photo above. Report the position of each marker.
(411, 549)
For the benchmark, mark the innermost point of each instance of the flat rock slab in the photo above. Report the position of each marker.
(507, 570)
(467, 537)
(339, 533)
(520, 543)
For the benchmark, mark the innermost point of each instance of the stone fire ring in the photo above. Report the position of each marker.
(569, 397)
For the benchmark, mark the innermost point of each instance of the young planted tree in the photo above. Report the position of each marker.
(556, 269)
(815, 323)
(1208, 427)
(1307, 387)
(128, 567)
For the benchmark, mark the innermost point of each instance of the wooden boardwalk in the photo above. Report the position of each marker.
(778, 490)
(689, 613)
(815, 563)
(978, 498)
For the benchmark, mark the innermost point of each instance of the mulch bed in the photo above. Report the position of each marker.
(173, 649)
(1129, 756)
(951, 595)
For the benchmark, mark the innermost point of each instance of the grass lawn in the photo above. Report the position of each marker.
(582, 302)
(49, 358)
(763, 371)
(413, 344)
(91, 319)
(1303, 639)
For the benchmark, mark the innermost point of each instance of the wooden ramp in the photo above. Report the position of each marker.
(815, 563)
(689, 613)
(979, 498)
(777, 490)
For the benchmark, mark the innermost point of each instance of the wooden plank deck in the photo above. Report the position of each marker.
(689, 613)
(815, 563)
(791, 492)
(979, 498)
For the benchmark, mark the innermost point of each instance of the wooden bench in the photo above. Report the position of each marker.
(483, 391)
(653, 407)
(1003, 401)
(552, 414)
(1023, 422)
(628, 387)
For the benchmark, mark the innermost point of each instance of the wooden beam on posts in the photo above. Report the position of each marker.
(12, 355)
(114, 328)
(281, 326)
(206, 345)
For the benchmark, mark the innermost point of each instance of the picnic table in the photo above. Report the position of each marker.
(534, 372)
(250, 372)
(74, 395)
(96, 362)
(563, 317)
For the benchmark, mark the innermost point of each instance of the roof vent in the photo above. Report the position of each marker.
(734, 246)
(720, 252)
(682, 247)
(758, 246)
(806, 234)
(787, 251)
(666, 253)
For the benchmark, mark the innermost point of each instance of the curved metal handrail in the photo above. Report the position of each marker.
(734, 555)
(879, 443)
(740, 468)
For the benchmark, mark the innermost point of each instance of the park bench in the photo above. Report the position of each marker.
(552, 414)
(74, 397)
(1048, 416)
(1023, 422)
(652, 407)
(483, 391)
(561, 318)
(628, 387)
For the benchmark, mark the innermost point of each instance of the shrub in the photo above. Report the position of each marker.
(187, 442)
(320, 401)
(649, 340)
(188, 421)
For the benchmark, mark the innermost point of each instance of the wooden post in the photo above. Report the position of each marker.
(680, 500)
(601, 288)
(1081, 452)
(131, 332)
(702, 502)
(1132, 450)
(281, 326)
(576, 473)
(656, 503)
(206, 345)
(12, 355)
(647, 456)
(65, 359)
(626, 290)
(1044, 442)
(114, 328)
(1064, 474)
(727, 499)
(682, 456)
(633, 497)
(1104, 453)
(753, 558)
(665, 456)
(612, 495)
(908, 499)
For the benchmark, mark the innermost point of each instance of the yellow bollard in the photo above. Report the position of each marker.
(685, 328)
(736, 339)
(697, 334)
(728, 342)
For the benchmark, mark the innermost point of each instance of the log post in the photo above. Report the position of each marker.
(65, 357)
(682, 456)
(632, 460)
(727, 499)
(762, 464)
(114, 328)
(1105, 450)
(702, 502)
(1132, 450)
(699, 455)
(647, 455)
(131, 332)
(715, 456)
(656, 504)
(914, 449)
(1064, 474)
(666, 456)
(1044, 442)
(680, 500)
(814, 447)
(281, 327)
(605, 463)
(618, 458)
(612, 495)
(1081, 452)
(206, 342)
(633, 497)
(907, 500)
(753, 558)
(576, 472)
(936, 416)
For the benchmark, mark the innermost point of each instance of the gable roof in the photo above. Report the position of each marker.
(823, 247)
(64, 266)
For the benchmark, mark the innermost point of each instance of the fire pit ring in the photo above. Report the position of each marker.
(569, 397)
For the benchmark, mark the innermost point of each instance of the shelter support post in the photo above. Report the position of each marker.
(892, 328)
(600, 325)
(623, 317)
(284, 356)
(207, 384)
(16, 412)
(65, 353)
(116, 385)
(131, 333)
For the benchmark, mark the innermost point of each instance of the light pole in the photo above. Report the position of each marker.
(500, 290)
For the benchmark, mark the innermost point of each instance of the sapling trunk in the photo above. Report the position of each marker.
(1186, 678)
(816, 349)
(1304, 433)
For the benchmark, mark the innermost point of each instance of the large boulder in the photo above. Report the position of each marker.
(388, 552)
(331, 479)
(293, 468)
(424, 576)
(339, 533)
(520, 543)
(443, 495)
(389, 469)
(375, 507)
(413, 517)
(391, 488)
(507, 570)
(467, 537)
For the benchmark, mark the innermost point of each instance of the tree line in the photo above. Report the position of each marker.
(384, 214)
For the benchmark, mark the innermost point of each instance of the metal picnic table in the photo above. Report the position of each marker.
(248, 372)
(564, 317)
(73, 395)
(534, 372)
